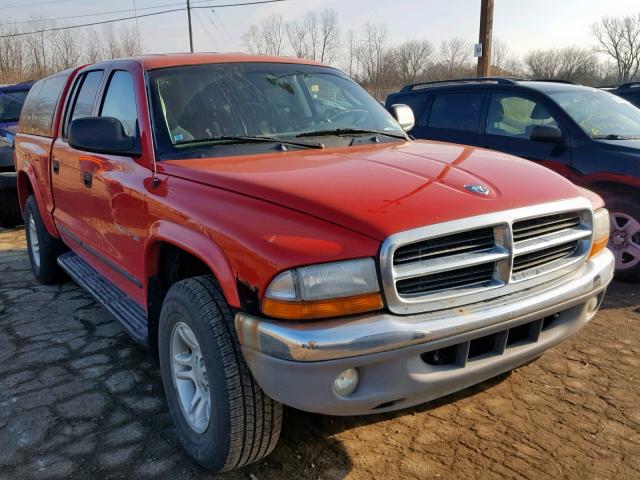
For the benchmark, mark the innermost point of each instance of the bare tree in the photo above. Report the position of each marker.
(455, 54)
(297, 36)
(267, 37)
(371, 52)
(503, 62)
(329, 35)
(570, 63)
(94, 50)
(411, 58)
(620, 39)
(67, 50)
(351, 59)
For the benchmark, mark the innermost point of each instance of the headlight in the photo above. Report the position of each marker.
(324, 290)
(601, 228)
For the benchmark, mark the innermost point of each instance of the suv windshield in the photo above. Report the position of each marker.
(600, 114)
(11, 104)
(232, 103)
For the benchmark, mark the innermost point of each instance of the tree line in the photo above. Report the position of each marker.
(381, 66)
(34, 56)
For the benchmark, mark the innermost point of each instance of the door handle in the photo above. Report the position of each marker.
(88, 179)
(55, 164)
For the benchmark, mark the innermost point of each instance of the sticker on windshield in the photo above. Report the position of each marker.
(178, 138)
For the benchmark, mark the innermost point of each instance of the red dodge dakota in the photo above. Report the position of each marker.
(275, 237)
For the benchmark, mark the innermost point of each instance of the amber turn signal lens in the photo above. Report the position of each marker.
(599, 245)
(334, 307)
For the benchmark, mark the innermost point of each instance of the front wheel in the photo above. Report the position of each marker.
(223, 419)
(624, 239)
(42, 247)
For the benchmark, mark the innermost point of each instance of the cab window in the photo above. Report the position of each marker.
(45, 105)
(513, 115)
(456, 111)
(120, 101)
(86, 95)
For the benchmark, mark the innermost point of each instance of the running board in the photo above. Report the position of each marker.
(132, 317)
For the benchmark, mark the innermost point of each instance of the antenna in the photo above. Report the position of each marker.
(154, 179)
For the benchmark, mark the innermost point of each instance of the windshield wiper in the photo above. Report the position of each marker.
(348, 131)
(244, 139)
(616, 137)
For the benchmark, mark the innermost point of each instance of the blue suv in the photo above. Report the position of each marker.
(588, 135)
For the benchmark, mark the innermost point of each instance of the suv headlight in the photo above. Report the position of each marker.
(601, 227)
(324, 290)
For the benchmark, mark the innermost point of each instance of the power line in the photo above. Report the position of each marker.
(21, 5)
(53, 29)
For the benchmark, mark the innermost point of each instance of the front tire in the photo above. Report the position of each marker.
(43, 248)
(223, 419)
(624, 240)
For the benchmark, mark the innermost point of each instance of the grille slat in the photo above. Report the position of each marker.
(535, 227)
(465, 242)
(541, 257)
(447, 280)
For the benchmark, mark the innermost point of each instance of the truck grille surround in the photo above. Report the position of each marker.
(465, 261)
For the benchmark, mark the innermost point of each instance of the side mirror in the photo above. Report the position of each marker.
(546, 133)
(101, 135)
(403, 115)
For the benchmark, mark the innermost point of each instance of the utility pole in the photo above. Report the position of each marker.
(190, 31)
(486, 32)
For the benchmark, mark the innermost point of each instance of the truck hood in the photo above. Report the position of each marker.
(378, 189)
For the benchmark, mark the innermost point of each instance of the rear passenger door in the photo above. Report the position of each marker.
(451, 116)
(73, 212)
(511, 117)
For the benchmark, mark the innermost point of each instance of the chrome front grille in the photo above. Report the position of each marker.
(464, 261)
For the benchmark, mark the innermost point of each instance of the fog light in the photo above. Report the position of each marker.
(346, 383)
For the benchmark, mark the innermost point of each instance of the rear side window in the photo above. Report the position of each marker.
(86, 96)
(120, 101)
(29, 105)
(456, 111)
(45, 105)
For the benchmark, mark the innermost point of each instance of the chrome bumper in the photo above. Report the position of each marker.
(380, 332)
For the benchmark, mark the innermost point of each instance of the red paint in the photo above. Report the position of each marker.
(250, 217)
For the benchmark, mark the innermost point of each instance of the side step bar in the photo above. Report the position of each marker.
(132, 317)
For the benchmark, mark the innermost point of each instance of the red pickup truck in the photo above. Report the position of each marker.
(274, 236)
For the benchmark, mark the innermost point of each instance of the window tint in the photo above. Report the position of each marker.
(45, 105)
(456, 111)
(87, 95)
(29, 106)
(120, 101)
(11, 104)
(416, 102)
(512, 115)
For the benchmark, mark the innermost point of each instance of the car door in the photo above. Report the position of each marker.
(72, 210)
(510, 119)
(451, 116)
(114, 187)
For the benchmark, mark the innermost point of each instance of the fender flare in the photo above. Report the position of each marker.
(27, 178)
(198, 245)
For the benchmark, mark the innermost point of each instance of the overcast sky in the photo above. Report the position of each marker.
(522, 24)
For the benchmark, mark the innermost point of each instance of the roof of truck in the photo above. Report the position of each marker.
(151, 62)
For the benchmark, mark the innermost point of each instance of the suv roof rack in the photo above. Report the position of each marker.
(630, 85)
(553, 80)
(499, 80)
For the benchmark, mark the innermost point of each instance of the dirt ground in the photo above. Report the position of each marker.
(78, 399)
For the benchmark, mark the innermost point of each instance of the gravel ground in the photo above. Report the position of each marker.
(78, 399)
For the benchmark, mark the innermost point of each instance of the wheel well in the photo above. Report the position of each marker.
(610, 189)
(174, 265)
(24, 189)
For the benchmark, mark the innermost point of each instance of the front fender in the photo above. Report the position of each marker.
(198, 245)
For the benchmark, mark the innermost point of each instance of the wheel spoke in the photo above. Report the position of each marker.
(183, 358)
(632, 227)
(195, 401)
(188, 338)
(185, 375)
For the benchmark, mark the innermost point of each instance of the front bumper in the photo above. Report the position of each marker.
(297, 362)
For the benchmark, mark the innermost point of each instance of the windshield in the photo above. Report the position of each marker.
(600, 114)
(221, 104)
(11, 105)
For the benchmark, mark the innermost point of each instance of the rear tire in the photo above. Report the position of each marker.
(624, 240)
(199, 351)
(43, 248)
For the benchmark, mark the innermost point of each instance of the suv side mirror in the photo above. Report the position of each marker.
(546, 133)
(403, 115)
(101, 135)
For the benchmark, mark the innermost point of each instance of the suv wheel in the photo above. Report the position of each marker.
(624, 240)
(222, 417)
(43, 248)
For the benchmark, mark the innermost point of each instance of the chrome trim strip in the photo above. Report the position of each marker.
(309, 341)
(453, 262)
(550, 240)
(504, 282)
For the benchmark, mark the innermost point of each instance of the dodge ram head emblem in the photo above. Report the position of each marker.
(479, 189)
